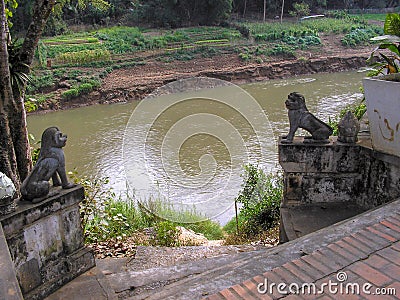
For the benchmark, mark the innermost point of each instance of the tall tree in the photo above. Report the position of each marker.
(15, 158)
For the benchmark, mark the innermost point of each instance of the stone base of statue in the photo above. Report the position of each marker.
(45, 241)
(7, 206)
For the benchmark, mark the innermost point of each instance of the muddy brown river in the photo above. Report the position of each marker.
(189, 149)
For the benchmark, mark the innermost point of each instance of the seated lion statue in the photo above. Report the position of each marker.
(300, 117)
(50, 164)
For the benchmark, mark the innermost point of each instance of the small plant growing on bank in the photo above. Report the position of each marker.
(166, 234)
(70, 94)
(260, 198)
(357, 109)
(85, 88)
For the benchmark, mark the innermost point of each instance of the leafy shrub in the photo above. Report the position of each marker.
(300, 10)
(245, 56)
(70, 94)
(166, 234)
(359, 36)
(95, 82)
(261, 197)
(282, 49)
(40, 81)
(30, 106)
(357, 109)
(85, 88)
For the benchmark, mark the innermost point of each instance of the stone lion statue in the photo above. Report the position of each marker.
(300, 117)
(50, 164)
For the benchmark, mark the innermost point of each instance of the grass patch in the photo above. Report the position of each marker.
(106, 216)
(373, 17)
(83, 56)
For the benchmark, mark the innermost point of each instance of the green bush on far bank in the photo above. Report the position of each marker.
(81, 89)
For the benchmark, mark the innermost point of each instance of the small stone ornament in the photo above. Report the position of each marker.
(50, 164)
(7, 191)
(348, 128)
(300, 117)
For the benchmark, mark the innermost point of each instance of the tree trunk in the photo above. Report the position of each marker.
(15, 157)
(8, 162)
(41, 12)
(16, 110)
(265, 9)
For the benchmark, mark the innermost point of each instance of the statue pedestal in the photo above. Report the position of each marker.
(45, 241)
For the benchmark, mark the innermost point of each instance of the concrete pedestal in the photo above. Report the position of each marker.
(327, 183)
(45, 241)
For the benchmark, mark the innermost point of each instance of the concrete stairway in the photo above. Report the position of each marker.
(123, 279)
(199, 279)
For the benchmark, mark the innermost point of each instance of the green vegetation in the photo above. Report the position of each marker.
(166, 234)
(177, 13)
(360, 36)
(106, 216)
(40, 81)
(314, 26)
(83, 56)
(358, 109)
(107, 49)
(389, 63)
(374, 17)
(70, 94)
(260, 198)
(81, 89)
(300, 10)
(32, 102)
(101, 48)
(119, 40)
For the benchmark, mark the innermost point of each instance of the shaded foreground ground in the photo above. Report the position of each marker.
(365, 248)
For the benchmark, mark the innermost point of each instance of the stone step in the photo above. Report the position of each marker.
(171, 267)
(249, 264)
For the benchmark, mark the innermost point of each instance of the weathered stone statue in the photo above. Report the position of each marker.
(50, 164)
(300, 117)
(348, 128)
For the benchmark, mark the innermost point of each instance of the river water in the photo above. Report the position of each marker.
(190, 148)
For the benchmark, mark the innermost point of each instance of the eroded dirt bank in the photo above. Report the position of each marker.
(136, 83)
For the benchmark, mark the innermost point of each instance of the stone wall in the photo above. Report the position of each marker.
(337, 173)
(45, 241)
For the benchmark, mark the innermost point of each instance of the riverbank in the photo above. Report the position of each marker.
(136, 82)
